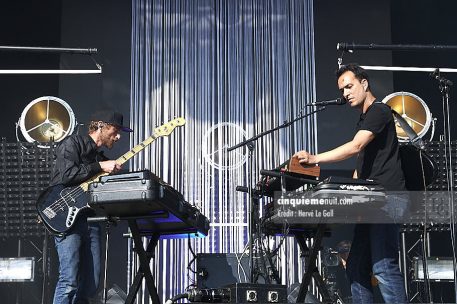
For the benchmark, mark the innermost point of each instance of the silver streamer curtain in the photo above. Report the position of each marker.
(232, 69)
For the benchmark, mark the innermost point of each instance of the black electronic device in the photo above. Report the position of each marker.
(130, 194)
(156, 206)
(257, 293)
(356, 190)
(339, 182)
(220, 269)
(241, 293)
(360, 193)
(153, 209)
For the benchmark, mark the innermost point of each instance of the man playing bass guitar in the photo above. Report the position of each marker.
(78, 159)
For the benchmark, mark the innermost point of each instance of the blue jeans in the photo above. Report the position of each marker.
(374, 250)
(79, 258)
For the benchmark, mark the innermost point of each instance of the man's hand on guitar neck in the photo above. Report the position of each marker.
(110, 166)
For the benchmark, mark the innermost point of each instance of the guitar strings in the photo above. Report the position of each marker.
(58, 203)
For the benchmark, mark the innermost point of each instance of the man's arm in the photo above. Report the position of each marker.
(349, 149)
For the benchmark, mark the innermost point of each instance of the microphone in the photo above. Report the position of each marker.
(338, 102)
(246, 190)
(342, 46)
(435, 74)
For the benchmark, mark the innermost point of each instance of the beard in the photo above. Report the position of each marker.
(109, 144)
(106, 140)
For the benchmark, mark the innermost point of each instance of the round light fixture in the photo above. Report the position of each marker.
(47, 119)
(414, 110)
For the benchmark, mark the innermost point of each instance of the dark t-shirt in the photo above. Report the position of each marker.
(380, 160)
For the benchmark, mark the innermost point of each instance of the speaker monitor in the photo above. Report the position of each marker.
(219, 269)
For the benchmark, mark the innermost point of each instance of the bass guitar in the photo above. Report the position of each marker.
(59, 206)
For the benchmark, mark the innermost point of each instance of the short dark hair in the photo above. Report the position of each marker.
(358, 71)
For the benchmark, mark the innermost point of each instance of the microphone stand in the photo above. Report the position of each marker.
(445, 87)
(253, 208)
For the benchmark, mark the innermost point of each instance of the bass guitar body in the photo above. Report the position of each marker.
(59, 206)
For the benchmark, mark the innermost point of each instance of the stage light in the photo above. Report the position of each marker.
(414, 110)
(46, 119)
(17, 269)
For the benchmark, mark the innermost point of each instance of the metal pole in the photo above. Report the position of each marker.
(46, 269)
(251, 214)
(105, 275)
(19, 286)
(351, 46)
(403, 259)
(48, 50)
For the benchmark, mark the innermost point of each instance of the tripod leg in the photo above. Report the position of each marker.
(46, 269)
(105, 275)
(311, 260)
(403, 260)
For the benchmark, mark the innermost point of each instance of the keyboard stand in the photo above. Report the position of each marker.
(310, 263)
(144, 271)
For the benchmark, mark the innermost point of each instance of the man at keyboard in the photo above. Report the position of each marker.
(374, 247)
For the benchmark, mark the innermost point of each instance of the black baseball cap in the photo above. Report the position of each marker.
(111, 117)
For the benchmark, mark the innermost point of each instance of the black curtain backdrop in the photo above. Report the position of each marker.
(428, 23)
(27, 23)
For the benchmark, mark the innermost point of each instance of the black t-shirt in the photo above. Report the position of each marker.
(380, 160)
